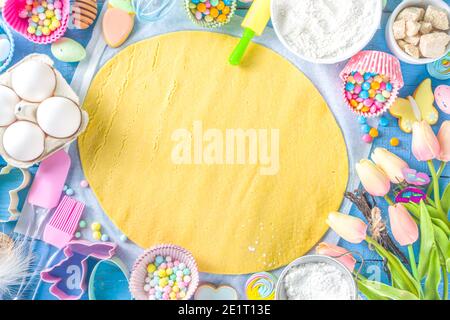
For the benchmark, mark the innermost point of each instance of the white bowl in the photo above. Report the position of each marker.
(343, 57)
(280, 293)
(392, 43)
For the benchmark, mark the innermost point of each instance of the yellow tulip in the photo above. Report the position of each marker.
(350, 228)
(390, 163)
(425, 145)
(444, 141)
(374, 180)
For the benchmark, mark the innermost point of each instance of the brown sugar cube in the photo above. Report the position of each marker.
(411, 14)
(413, 40)
(425, 27)
(402, 44)
(434, 45)
(413, 51)
(412, 28)
(437, 17)
(399, 29)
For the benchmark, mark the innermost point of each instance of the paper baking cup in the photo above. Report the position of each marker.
(213, 24)
(5, 29)
(11, 15)
(376, 62)
(139, 272)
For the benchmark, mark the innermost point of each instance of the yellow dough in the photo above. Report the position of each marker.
(233, 217)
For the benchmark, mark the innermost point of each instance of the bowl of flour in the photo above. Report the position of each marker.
(316, 277)
(326, 31)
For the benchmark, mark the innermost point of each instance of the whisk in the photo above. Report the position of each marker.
(152, 10)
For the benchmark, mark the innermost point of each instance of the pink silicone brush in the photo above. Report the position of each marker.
(61, 227)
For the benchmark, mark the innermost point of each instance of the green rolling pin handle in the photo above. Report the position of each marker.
(239, 51)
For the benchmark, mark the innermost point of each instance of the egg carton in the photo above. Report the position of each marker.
(26, 111)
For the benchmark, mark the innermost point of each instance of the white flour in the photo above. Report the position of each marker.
(322, 29)
(317, 281)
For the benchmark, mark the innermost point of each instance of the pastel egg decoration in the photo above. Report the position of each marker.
(6, 46)
(59, 117)
(33, 81)
(117, 25)
(24, 141)
(39, 21)
(68, 50)
(8, 102)
(442, 97)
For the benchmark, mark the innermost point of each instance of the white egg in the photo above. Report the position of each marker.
(24, 141)
(5, 48)
(33, 81)
(8, 102)
(59, 117)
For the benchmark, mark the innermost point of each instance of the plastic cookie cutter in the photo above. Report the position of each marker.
(68, 277)
(109, 281)
(13, 210)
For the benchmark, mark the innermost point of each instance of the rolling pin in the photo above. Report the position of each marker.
(254, 24)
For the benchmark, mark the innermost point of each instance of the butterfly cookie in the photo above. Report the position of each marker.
(416, 108)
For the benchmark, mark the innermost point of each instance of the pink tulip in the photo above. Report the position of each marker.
(374, 180)
(328, 249)
(425, 145)
(444, 141)
(390, 163)
(403, 226)
(352, 229)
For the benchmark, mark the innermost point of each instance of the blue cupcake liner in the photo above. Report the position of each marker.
(8, 33)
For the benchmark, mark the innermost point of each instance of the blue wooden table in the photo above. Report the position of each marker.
(413, 75)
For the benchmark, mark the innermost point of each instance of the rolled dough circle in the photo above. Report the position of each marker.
(233, 218)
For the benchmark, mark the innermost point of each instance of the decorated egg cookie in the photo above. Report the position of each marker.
(33, 81)
(442, 96)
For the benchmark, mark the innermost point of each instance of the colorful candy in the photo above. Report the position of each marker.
(44, 17)
(168, 279)
(395, 142)
(368, 93)
(211, 10)
(374, 132)
(261, 286)
(84, 184)
(367, 138)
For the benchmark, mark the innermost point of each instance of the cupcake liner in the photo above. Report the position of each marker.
(139, 272)
(376, 62)
(11, 16)
(213, 24)
(4, 27)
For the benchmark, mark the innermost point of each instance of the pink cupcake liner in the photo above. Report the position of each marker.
(139, 272)
(376, 62)
(11, 16)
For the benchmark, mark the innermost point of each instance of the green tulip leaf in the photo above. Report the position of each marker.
(379, 291)
(426, 240)
(433, 279)
(443, 244)
(445, 202)
(401, 278)
(442, 225)
(433, 212)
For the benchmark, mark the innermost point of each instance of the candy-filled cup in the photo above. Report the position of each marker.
(11, 12)
(375, 62)
(139, 272)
